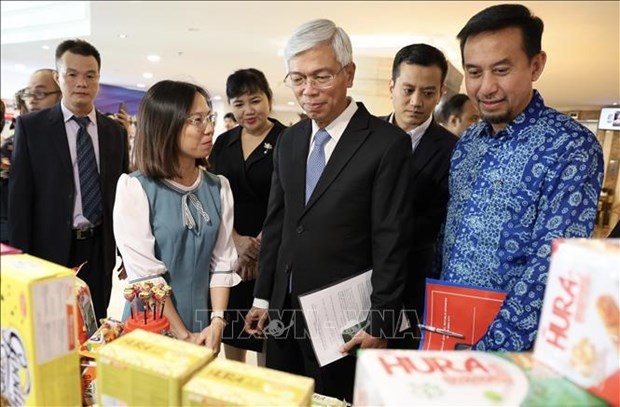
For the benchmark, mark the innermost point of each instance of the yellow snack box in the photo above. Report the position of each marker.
(229, 383)
(146, 369)
(40, 364)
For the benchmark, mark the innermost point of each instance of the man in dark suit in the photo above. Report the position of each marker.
(356, 218)
(56, 212)
(418, 75)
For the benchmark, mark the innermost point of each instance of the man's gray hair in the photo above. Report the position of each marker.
(317, 32)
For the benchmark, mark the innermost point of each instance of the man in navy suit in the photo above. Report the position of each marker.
(356, 218)
(418, 75)
(46, 211)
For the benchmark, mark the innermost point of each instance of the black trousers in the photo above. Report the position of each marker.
(91, 251)
(292, 352)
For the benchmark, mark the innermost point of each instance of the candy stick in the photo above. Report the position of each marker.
(129, 296)
(167, 292)
(158, 295)
(145, 296)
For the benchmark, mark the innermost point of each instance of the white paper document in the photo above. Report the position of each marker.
(332, 310)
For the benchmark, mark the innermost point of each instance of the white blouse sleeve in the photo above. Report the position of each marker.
(225, 254)
(132, 231)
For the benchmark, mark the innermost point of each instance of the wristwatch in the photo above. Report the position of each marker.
(218, 314)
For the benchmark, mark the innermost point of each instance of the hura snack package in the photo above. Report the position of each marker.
(461, 378)
(229, 383)
(146, 369)
(39, 360)
(579, 325)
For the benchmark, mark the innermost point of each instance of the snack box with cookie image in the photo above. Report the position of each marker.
(461, 378)
(39, 364)
(578, 330)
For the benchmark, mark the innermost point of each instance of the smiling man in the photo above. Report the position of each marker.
(338, 206)
(66, 162)
(522, 177)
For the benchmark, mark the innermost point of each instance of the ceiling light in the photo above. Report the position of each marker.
(147, 75)
(123, 36)
(217, 97)
(153, 58)
(141, 85)
(45, 46)
(291, 103)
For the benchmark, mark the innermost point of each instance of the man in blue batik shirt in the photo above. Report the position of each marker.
(522, 177)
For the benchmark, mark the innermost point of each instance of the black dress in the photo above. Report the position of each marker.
(250, 181)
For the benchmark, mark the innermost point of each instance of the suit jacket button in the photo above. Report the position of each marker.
(300, 230)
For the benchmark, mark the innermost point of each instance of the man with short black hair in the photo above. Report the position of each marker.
(418, 75)
(522, 177)
(66, 162)
(458, 113)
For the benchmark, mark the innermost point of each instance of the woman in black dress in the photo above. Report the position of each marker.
(244, 155)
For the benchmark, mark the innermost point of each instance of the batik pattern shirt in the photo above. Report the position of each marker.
(511, 194)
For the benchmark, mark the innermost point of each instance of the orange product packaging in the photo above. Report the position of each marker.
(40, 363)
(579, 325)
(87, 322)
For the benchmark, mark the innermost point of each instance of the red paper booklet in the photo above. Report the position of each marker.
(457, 315)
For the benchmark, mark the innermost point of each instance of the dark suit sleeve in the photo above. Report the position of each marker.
(272, 232)
(21, 191)
(391, 236)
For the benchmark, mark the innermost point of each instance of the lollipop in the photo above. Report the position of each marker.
(167, 291)
(129, 296)
(158, 295)
(144, 297)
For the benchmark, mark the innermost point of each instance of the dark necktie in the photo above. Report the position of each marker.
(89, 176)
(316, 162)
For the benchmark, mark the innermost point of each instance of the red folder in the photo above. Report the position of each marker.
(464, 312)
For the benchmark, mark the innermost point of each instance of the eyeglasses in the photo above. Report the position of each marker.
(38, 95)
(201, 119)
(296, 80)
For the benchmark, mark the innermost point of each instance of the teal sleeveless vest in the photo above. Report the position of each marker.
(185, 226)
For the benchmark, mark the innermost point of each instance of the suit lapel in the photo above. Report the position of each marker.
(426, 150)
(299, 157)
(354, 135)
(262, 150)
(105, 148)
(58, 134)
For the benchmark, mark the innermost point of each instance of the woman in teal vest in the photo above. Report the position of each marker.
(173, 220)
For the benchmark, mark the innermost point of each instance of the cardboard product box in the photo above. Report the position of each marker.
(146, 369)
(461, 378)
(39, 360)
(229, 383)
(579, 325)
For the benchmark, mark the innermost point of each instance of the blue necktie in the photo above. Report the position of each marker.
(89, 176)
(316, 162)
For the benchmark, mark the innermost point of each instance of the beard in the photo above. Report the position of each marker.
(497, 118)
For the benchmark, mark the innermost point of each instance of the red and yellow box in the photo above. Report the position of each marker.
(40, 362)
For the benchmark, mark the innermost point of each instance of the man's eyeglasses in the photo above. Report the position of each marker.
(38, 95)
(201, 119)
(296, 80)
